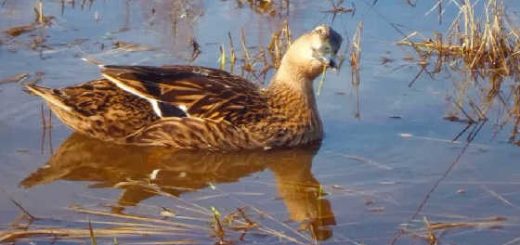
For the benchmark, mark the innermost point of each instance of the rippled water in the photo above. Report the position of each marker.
(371, 178)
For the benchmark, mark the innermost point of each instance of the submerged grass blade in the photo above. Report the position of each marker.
(322, 80)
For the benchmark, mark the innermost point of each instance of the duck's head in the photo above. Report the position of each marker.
(312, 52)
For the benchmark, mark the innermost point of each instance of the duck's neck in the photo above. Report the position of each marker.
(294, 80)
(291, 93)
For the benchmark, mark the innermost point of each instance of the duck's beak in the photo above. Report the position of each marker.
(331, 63)
(329, 60)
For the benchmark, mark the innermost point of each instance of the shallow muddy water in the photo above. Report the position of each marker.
(387, 168)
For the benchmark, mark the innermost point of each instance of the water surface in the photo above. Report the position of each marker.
(366, 183)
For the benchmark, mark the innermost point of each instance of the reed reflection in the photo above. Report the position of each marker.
(176, 24)
(131, 169)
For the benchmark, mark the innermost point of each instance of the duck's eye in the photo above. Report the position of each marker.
(325, 49)
(315, 51)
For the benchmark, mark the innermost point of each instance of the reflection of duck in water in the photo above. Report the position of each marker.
(193, 107)
(82, 158)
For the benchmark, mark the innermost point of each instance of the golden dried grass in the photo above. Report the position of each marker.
(483, 48)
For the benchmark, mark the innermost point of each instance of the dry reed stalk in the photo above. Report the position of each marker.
(24, 211)
(280, 42)
(18, 78)
(248, 64)
(256, 62)
(355, 49)
(232, 54)
(430, 229)
(218, 230)
(222, 58)
(73, 233)
(515, 112)
(93, 240)
(355, 64)
(38, 10)
(170, 224)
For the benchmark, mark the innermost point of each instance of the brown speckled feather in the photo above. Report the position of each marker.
(200, 92)
(98, 108)
(195, 133)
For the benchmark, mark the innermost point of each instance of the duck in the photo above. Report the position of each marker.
(201, 108)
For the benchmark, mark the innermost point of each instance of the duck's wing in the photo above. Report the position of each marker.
(193, 91)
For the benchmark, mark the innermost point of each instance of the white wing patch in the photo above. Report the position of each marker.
(125, 87)
(184, 109)
(155, 106)
(153, 102)
(119, 84)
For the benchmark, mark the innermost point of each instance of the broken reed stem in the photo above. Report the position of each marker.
(431, 227)
(245, 52)
(91, 233)
(515, 113)
(430, 237)
(128, 217)
(274, 49)
(232, 55)
(243, 215)
(19, 206)
(288, 34)
(217, 226)
(54, 233)
(222, 58)
(355, 49)
(355, 64)
(38, 9)
(195, 49)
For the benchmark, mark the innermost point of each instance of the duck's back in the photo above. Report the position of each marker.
(181, 106)
(193, 91)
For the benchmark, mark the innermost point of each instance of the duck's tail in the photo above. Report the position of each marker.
(52, 96)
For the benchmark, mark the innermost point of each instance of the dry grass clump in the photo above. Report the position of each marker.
(255, 62)
(266, 7)
(485, 49)
(40, 20)
(200, 226)
(280, 42)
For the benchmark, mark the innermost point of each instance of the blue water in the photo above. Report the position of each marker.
(375, 170)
